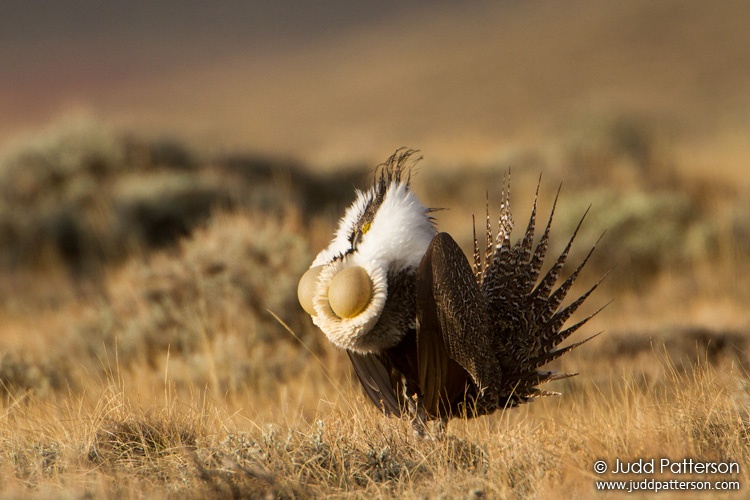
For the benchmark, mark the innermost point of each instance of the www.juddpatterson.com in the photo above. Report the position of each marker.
(687, 466)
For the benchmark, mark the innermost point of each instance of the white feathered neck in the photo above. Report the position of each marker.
(398, 235)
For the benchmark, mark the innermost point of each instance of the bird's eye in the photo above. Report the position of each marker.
(366, 227)
(306, 289)
(350, 292)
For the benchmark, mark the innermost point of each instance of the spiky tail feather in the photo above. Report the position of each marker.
(524, 311)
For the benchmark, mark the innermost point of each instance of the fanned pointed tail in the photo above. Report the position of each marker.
(525, 313)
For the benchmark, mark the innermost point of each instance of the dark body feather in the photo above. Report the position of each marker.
(481, 332)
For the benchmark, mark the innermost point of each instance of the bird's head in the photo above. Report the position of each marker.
(360, 290)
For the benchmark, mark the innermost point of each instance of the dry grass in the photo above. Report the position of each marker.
(198, 448)
(161, 372)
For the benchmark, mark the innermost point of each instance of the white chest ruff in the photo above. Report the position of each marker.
(395, 241)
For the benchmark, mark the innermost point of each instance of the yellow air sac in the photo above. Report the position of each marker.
(350, 292)
(306, 289)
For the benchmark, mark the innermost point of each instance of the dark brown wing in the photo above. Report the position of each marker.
(452, 341)
(376, 381)
(438, 373)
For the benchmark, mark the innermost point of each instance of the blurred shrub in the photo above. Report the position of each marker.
(82, 194)
(603, 149)
(646, 232)
(741, 227)
(57, 163)
(648, 229)
(207, 304)
(19, 375)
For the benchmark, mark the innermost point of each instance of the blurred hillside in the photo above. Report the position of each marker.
(335, 83)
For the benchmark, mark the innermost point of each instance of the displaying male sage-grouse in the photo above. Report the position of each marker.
(430, 336)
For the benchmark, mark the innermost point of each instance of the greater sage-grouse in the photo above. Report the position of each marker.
(432, 337)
